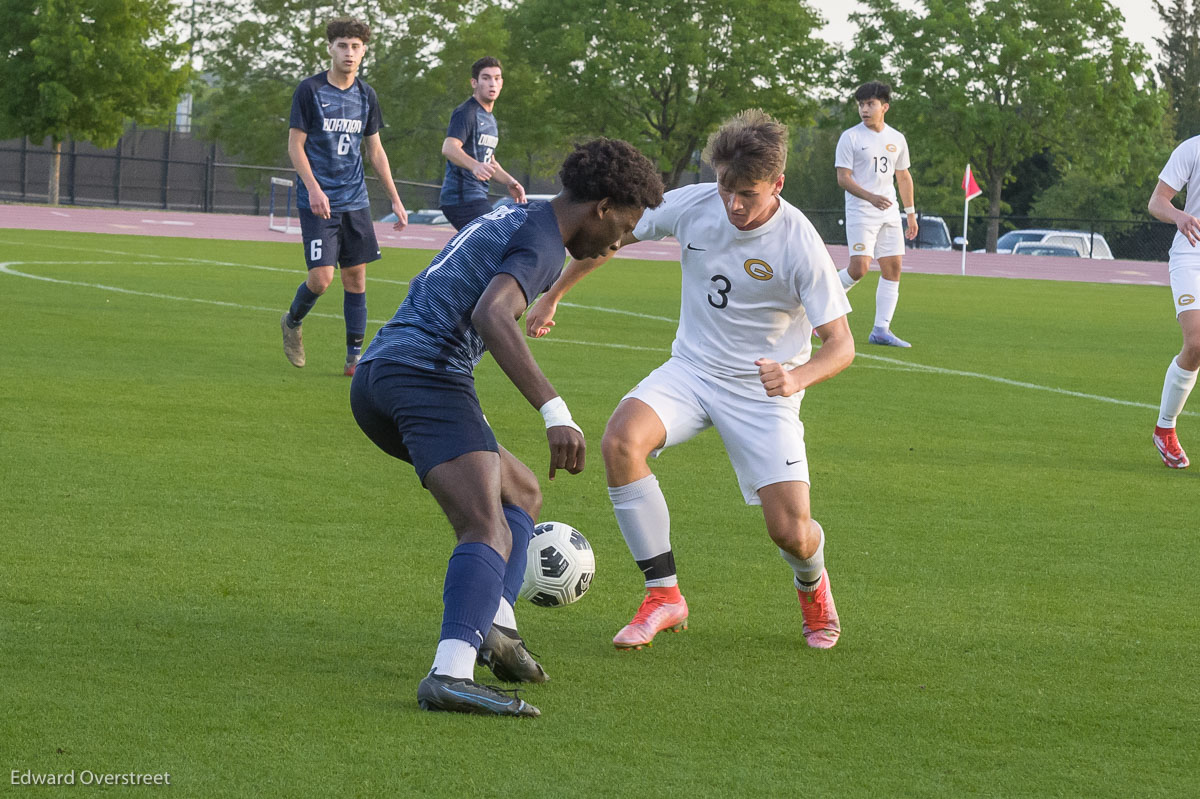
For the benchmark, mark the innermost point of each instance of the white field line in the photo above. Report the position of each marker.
(6, 268)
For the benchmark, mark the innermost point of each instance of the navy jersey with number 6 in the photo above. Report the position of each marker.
(432, 329)
(335, 121)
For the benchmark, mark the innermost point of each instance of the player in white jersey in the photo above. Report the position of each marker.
(1181, 172)
(757, 279)
(868, 156)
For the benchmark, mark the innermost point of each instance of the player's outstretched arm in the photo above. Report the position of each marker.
(515, 189)
(540, 316)
(835, 354)
(904, 183)
(379, 162)
(495, 318)
(318, 203)
(1162, 209)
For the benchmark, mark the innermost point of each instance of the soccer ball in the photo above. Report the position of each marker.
(561, 565)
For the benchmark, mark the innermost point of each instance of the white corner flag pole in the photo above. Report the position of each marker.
(966, 200)
(970, 191)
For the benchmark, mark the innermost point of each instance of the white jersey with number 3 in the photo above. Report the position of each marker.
(1183, 172)
(872, 159)
(746, 294)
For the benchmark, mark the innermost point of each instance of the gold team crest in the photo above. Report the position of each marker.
(759, 270)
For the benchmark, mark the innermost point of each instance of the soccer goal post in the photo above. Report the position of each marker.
(286, 207)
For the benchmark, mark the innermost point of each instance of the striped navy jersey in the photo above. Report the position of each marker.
(335, 121)
(432, 329)
(477, 130)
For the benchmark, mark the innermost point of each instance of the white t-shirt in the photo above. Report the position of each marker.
(872, 159)
(1183, 172)
(745, 294)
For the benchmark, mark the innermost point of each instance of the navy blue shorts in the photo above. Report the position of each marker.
(424, 418)
(346, 238)
(462, 215)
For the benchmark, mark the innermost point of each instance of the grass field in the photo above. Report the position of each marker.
(208, 570)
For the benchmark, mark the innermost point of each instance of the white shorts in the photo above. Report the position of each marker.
(1185, 282)
(874, 238)
(763, 437)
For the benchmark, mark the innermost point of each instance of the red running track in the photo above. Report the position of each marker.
(240, 227)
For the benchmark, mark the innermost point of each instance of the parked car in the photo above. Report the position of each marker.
(1038, 248)
(507, 200)
(426, 216)
(932, 233)
(1088, 245)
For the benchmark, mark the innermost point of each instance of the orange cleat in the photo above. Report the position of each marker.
(821, 626)
(1168, 447)
(657, 613)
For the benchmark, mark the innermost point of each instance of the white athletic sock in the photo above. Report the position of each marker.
(505, 616)
(847, 281)
(887, 294)
(455, 658)
(808, 571)
(645, 522)
(1176, 387)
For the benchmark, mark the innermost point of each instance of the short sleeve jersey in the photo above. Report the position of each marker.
(335, 120)
(872, 159)
(1183, 172)
(746, 294)
(477, 130)
(432, 329)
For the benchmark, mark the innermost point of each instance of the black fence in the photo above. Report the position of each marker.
(1130, 239)
(170, 170)
(162, 169)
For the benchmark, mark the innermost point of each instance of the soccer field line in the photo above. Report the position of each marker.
(6, 268)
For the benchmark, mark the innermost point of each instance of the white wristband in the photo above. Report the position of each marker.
(910, 210)
(556, 414)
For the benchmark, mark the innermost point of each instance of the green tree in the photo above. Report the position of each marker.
(663, 74)
(997, 81)
(84, 68)
(1179, 65)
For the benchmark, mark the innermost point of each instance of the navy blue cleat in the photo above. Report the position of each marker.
(440, 692)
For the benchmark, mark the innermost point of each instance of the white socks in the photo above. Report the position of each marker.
(455, 658)
(1176, 387)
(645, 522)
(887, 294)
(847, 281)
(808, 571)
(505, 616)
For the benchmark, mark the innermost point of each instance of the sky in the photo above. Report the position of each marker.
(1142, 24)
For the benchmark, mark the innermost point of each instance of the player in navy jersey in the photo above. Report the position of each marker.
(414, 397)
(470, 150)
(335, 119)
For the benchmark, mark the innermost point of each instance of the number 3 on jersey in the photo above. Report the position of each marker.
(722, 298)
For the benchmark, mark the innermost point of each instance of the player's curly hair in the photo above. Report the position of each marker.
(751, 146)
(348, 28)
(611, 168)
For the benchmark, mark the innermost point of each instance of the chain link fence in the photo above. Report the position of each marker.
(171, 170)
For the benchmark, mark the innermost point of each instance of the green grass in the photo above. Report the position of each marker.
(208, 570)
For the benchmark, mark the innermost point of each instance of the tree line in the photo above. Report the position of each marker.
(1059, 113)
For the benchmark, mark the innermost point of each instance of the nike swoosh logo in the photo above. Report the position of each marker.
(697, 249)
(864, 148)
(477, 700)
(793, 463)
(326, 105)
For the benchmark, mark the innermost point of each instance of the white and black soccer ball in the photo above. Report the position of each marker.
(560, 567)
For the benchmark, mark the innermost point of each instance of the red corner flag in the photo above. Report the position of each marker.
(970, 186)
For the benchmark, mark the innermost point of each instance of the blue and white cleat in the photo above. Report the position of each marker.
(439, 692)
(884, 336)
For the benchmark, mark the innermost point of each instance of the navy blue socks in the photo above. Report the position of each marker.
(301, 305)
(474, 582)
(522, 530)
(354, 307)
